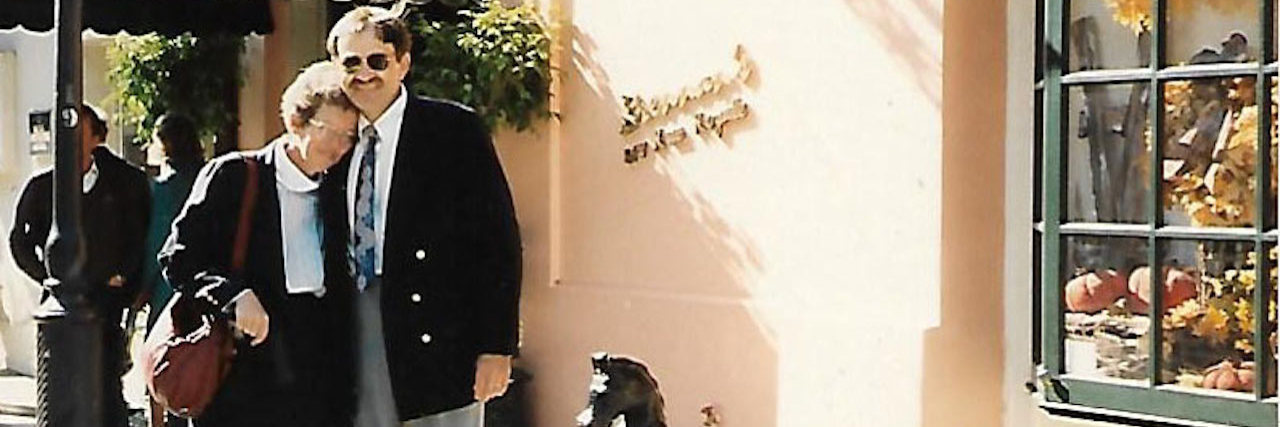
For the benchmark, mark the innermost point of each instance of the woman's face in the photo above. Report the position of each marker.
(155, 151)
(327, 137)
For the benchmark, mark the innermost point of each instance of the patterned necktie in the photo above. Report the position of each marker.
(362, 241)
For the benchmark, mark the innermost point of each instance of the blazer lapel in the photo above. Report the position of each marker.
(412, 167)
(268, 217)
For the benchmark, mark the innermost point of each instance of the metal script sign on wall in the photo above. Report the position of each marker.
(639, 110)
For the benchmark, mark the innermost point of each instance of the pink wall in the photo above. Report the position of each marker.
(834, 260)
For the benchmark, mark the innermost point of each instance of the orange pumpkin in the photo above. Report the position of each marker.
(1225, 376)
(1094, 291)
(1178, 287)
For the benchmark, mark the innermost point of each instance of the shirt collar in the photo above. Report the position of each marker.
(290, 175)
(388, 124)
(90, 178)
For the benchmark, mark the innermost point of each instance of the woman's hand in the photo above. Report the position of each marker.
(251, 318)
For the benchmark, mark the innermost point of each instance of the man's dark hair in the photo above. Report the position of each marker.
(95, 119)
(177, 134)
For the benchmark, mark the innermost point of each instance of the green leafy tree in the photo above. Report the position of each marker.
(200, 77)
(495, 60)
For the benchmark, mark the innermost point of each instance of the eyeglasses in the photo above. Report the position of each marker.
(376, 61)
(350, 135)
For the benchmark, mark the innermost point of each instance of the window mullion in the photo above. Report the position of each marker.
(1154, 208)
(1264, 372)
(1054, 129)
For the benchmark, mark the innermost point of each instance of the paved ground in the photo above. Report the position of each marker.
(18, 395)
(17, 400)
(17, 421)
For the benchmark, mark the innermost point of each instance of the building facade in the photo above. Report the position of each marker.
(804, 214)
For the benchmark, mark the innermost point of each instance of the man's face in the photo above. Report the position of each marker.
(88, 141)
(362, 54)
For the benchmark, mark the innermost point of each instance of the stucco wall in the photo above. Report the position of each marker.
(34, 71)
(793, 272)
(857, 253)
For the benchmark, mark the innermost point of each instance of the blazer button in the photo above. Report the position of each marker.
(426, 338)
(421, 254)
(415, 297)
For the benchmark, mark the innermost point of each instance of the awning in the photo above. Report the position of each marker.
(168, 17)
(430, 10)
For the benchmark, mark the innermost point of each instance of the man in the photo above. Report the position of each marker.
(115, 211)
(434, 243)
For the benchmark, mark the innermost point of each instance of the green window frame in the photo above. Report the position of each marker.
(1155, 397)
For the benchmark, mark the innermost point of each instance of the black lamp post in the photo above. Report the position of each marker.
(71, 376)
(70, 344)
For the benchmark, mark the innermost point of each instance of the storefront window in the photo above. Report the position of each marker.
(1156, 211)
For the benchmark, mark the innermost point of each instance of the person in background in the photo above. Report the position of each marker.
(115, 214)
(177, 143)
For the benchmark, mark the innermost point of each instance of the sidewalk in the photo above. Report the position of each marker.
(17, 400)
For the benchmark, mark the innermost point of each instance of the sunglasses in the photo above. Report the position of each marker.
(376, 61)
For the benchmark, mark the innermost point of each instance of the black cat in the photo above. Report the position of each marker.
(622, 387)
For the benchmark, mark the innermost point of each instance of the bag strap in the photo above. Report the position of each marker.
(248, 199)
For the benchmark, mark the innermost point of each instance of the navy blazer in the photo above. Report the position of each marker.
(451, 267)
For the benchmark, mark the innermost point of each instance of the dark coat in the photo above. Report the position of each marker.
(168, 195)
(114, 222)
(299, 376)
(451, 258)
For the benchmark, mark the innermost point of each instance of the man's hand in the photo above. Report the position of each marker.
(116, 281)
(493, 372)
(251, 318)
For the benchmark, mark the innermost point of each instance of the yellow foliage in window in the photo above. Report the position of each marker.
(1136, 14)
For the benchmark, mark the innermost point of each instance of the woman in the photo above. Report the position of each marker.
(177, 142)
(289, 369)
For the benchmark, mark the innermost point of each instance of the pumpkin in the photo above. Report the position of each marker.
(1094, 291)
(1225, 376)
(1178, 287)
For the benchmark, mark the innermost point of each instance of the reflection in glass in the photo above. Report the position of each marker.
(1107, 155)
(1211, 31)
(1104, 336)
(1116, 33)
(1271, 318)
(1208, 320)
(1210, 152)
(1101, 41)
(1271, 202)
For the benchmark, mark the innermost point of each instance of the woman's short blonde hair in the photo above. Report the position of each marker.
(318, 84)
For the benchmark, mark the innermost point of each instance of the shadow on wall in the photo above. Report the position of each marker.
(650, 268)
(962, 383)
(903, 26)
(627, 202)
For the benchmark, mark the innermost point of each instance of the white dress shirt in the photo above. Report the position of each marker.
(300, 226)
(90, 178)
(388, 127)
